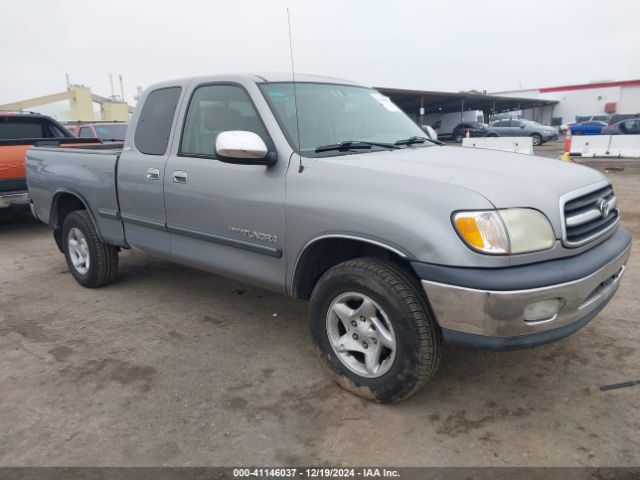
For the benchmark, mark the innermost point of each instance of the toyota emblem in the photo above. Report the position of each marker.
(604, 207)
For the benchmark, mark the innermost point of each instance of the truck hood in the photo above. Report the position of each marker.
(505, 179)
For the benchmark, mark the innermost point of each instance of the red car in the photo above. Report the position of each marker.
(105, 131)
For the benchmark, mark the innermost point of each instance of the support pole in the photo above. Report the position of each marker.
(121, 89)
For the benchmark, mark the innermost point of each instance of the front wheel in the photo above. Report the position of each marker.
(92, 262)
(537, 139)
(373, 329)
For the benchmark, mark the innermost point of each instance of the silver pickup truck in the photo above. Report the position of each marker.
(324, 190)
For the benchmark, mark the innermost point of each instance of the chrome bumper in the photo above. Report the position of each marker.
(10, 199)
(501, 313)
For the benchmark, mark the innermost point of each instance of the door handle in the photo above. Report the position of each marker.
(153, 174)
(178, 176)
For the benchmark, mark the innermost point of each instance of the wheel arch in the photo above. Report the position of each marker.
(63, 203)
(322, 253)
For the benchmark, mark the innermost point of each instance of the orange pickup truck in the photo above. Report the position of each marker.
(18, 133)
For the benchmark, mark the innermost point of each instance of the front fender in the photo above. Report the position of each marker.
(408, 215)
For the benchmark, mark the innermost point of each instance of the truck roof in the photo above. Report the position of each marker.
(258, 77)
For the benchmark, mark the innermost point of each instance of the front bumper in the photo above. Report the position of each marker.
(14, 199)
(493, 317)
(550, 137)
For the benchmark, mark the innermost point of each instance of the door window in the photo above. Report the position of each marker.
(214, 109)
(156, 118)
(85, 132)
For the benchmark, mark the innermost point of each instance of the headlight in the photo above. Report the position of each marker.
(509, 231)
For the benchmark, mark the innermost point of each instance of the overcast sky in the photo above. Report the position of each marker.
(444, 45)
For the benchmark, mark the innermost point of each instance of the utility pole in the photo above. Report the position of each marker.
(111, 82)
(121, 89)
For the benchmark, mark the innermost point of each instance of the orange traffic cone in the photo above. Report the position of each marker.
(567, 140)
(566, 156)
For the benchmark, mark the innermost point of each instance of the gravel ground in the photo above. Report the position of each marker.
(174, 366)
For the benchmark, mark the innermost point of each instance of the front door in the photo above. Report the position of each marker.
(223, 217)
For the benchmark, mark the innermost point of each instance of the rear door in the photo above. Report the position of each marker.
(223, 217)
(518, 129)
(141, 171)
(501, 128)
(593, 128)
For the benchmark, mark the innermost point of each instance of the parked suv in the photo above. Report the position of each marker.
(625, 127)
(475, 130)
(523, 128)
(618, 117)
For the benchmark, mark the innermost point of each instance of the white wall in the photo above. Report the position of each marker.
(584, 102)
(629, 100)
(581, 102)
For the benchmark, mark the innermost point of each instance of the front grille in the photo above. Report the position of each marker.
(588, 215)
(13, 184)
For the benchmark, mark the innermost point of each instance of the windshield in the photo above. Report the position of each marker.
(330, 114)
(112, 132)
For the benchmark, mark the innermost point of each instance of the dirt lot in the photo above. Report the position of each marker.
(173, 366)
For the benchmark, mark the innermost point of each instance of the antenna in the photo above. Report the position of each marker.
(295, 96)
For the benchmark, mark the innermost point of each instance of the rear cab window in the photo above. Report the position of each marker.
(154, 125)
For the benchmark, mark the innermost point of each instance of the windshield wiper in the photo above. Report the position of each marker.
(352, 145)
(414, 140)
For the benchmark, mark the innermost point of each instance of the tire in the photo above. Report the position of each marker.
(578, 133)
(100, 265)
(537, 139)
(399, 305)
(458, 138)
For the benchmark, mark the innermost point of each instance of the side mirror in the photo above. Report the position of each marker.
(244, 148)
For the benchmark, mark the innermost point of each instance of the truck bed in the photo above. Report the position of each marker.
(87, 173)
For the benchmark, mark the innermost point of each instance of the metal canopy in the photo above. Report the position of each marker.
(442, 102)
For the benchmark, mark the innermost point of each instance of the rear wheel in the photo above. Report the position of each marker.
(537, 139)
(92, 262)
(373, 329)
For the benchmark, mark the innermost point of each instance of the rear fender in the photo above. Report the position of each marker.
(56, 217)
